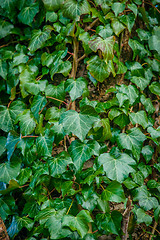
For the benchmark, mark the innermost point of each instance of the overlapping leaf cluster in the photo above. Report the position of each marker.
(68, 160)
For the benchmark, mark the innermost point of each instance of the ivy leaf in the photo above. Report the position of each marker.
(75, 87)
(155, 88)
(4, 209)
(117, 168)
(73, 9)
(140, 118)
(3, 141)
(78, 223)
(19, 58)
(143, 217)
(58, 164)
(154, 40)
(155, 133)
(98, 68)
(82, 151)
(51, 16)
(147, 152)
(79, 123)
(105, 45)
(27, 14)
(57, 92)
(138, 48)
(37, 105)
(26, 121)
(8, 115)
(5, 28)
(132, 141)
(114, 192)
(54, 113)
(131, 91)
(63, 67)
(128, 21)
(3, 69)
(118, 8)
(44, 145)
(24, 175)
(117, 26)
(39, 38)
(9, 170)
(147, 104)
(52, 5)
(141, 82)
(12, 141)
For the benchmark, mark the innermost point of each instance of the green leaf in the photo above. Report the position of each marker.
(12, 141)
(8, 115)
(37, 105)
(154, 40)
(58, 164)
(4, 209)
(155, 88)
(121, 98)
(27, 122)
(138, 48)
(3, 141)
(82, 151)
(141, 82)
(63, 67)
(27, 14)
(75, 87)
(98, 68)
(19, 58)
(117, 168)
(114, 192)
(9, 170)
(128, 21)
(24, 175)
(143, 217)
(147, 104)
(44, 145)
(5, 28)
(73, 9)
(79, 123)
(51, 16)
(54, 113)
(155, 133)
(147, 152)
(3, 69)
(118, 8)
(52, 5)
(132, 141)
(105, 45)
(57, 92)
(39, 38)
(117, 26)
(78, 223)
(140, 118)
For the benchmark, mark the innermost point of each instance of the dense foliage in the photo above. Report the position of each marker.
(79, 119)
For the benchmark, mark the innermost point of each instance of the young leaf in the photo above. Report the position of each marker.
(147, 152)
(9, 171)
(141, 82)
(44, 145)
(118, 7)
(117, 168)
(147, 104)
(143, 217)
(155, 88)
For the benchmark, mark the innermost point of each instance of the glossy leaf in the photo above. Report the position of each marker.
(27, 14)
(140, 118)
(117, 168)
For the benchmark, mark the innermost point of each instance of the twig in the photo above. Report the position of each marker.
(153, 6)
(153, 230)
(92, 24)
(70, 207)
(81, 58)
(43, 108)
(56, 99)
(126, 216)
(9, 103)
(29, 136)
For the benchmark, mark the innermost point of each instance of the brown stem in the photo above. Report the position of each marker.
(29, 136)
(125, 220)
(43, 108)
(3, 231)
(91, 25)
(153, 6)
(75, 58)
(81, 58)
(153, 230)
(57, 100)
(9, 104)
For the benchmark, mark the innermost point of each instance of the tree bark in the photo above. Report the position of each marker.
(3, 231)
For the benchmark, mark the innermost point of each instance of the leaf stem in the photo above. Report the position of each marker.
(56, 99)
(70, 207)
